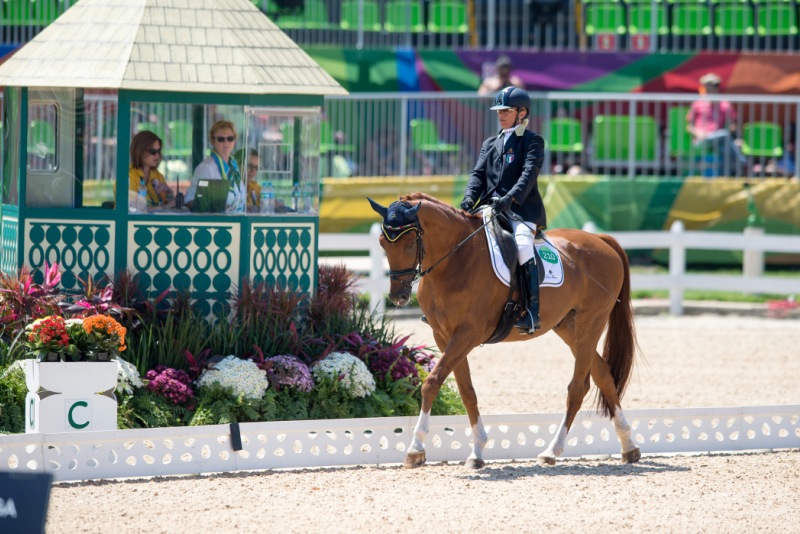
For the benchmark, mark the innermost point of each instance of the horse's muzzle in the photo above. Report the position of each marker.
(400, 298)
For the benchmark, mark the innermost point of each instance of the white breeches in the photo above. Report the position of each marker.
(523, 235)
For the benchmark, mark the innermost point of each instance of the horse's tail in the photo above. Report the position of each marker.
(620, 344)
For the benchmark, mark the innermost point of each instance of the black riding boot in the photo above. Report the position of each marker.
(530, 322)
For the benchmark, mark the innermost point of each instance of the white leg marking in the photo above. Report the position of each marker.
(623, 429)
(479, 440)
(420, 431)
(556, 446)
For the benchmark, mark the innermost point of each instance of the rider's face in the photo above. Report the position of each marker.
(507, 117)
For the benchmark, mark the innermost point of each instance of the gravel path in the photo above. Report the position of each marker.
(687, 362)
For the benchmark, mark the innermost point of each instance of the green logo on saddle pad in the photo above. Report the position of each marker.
(547, 255)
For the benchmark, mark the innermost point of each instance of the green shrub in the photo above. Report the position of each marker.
(12, 400)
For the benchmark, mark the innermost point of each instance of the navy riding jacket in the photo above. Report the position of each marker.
(514, 169)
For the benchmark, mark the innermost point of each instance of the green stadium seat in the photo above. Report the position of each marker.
(447, 16)
(680, 140)
(762, 139)
(350, 15)
(152, 126)
(611, 140)
(41, 138)
(313, 17)
(602, 18)
(425, 137)
(690, 19)
(328, 144)
(641, 17)
(179, 139)
(777, 19)
(566, 135)
(401, 16)
(734, 20)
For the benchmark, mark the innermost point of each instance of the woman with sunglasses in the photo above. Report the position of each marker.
(145, 158)
(220, 165)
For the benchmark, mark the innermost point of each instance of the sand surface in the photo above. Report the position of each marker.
(695, 361)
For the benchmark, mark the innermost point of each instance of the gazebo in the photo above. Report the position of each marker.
(172, 66)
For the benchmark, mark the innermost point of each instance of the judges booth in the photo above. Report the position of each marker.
(64, 203)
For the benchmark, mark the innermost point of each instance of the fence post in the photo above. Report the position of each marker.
(376, 275)
(752, 257)
(677, 268)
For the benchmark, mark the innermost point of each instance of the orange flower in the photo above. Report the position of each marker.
(103, 324)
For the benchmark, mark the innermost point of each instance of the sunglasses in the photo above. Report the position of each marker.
(154, 151)
(252, 167)
(230, 139)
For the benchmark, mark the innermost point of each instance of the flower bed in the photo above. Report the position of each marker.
(274, 355)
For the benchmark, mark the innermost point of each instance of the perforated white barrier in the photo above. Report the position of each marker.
(188, 450)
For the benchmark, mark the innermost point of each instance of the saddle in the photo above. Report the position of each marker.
(501, 228)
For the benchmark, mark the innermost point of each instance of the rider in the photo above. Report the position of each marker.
(509, 163)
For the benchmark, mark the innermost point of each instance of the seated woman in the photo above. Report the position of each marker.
(250, 159)
(145, 158)
(220, 166)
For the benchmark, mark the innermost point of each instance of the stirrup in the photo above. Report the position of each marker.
(528, 324)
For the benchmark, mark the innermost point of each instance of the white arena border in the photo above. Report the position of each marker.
(346, 442)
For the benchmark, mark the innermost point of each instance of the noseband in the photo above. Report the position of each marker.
(392, 234)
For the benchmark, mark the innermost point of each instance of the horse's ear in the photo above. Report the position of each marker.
(413, 211)
(380, 210)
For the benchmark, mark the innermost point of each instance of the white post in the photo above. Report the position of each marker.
(753, 256)
(677, 268)
(590, 226)
(376, 274)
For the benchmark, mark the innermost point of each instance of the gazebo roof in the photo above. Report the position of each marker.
(198, 46)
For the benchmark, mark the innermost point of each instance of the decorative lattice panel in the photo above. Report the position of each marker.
(8, 255)
(81, 248)
(163, 451)
(202, 258)
(283, 255)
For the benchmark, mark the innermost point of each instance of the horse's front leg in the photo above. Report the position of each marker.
(454, 353)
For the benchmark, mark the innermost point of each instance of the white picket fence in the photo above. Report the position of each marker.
(753, 243)
(382, 441)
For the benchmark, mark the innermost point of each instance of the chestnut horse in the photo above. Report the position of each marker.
(462, 300)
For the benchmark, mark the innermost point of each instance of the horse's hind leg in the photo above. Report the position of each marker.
(470, 400)
(582, 339)
(605, 383)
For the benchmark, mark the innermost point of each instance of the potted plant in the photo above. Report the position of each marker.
(71, 375)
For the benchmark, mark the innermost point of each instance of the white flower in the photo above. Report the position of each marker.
(243, 377)
(127, 377)
(355, 377)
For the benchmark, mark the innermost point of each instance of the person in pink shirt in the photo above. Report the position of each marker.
(712, 124)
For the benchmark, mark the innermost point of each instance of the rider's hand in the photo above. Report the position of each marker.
(502, 204)
(467, 203)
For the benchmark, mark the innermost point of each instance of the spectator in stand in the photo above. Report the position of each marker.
(713, 126)
(502, 78)
(145, 153)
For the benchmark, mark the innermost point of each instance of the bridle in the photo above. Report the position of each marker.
(393, 233)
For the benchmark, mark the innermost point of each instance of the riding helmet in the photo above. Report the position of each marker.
(512, 97)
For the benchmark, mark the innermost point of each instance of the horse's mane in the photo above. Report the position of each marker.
(437, 202)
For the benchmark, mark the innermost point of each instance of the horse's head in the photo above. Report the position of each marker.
(401, 240)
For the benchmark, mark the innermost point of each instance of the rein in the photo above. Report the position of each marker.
(416, 269)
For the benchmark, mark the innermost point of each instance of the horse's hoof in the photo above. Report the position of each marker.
(546, 460)
(632, 456)
(414, 459)
(475, 463)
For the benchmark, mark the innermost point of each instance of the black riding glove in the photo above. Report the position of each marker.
(467, 203)
(502, 204)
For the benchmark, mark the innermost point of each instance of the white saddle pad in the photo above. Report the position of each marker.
(553, 268)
